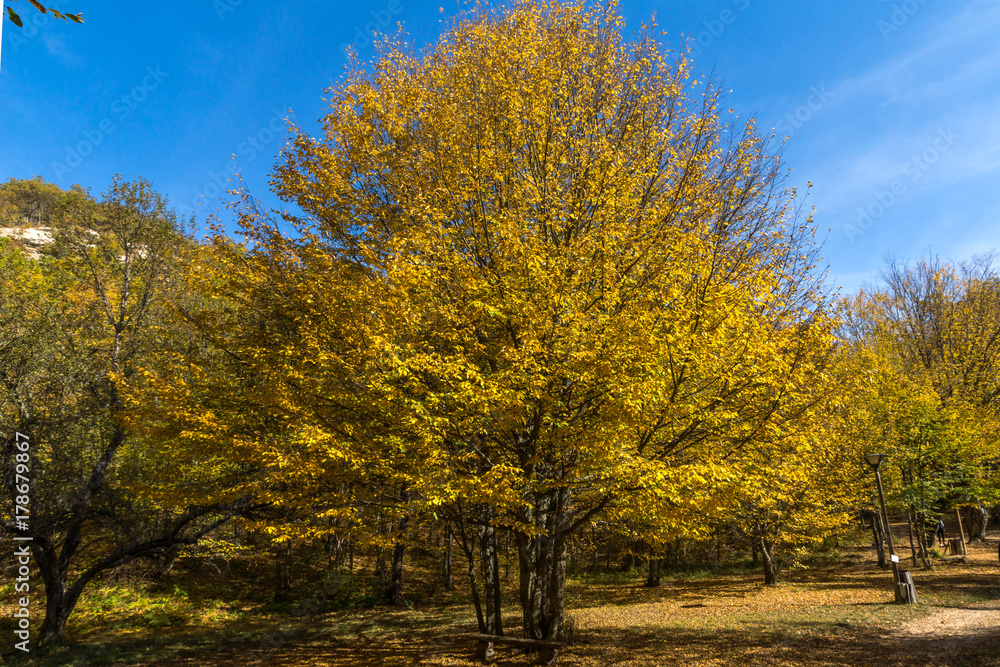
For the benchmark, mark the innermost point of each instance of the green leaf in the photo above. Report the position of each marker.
(75, 18)
(39, 6)
(14, 17)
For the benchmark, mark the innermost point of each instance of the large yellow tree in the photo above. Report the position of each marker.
(539, 279)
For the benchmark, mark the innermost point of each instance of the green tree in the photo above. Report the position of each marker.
(35, 203)
(74, 327)
(926, 346)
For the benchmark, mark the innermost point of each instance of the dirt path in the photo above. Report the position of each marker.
(947, 631)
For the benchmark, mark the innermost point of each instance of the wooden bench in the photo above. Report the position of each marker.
(484, 648)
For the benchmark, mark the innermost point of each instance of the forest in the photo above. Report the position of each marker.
(545, 309)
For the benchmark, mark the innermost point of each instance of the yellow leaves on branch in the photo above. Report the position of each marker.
(535, 263)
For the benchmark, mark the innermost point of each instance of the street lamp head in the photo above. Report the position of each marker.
(874, 460)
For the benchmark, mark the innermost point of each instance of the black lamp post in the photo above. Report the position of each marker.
(875, 460)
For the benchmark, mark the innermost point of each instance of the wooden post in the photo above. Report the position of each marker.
(961, 531)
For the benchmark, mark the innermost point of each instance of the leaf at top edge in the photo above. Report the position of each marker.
(14, 17)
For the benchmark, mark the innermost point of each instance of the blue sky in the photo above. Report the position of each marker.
(891, 108)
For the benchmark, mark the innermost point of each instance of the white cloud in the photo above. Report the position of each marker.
(876, 120)
(57, 48)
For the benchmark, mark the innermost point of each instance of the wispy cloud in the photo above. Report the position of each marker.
(881, 119)
(57, 48)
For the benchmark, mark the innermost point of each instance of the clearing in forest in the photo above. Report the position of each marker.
(836, 612)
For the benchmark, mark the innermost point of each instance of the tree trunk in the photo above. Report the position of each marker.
(924, 548)
(655, 568)
(597, 550)
(449, 580)
(910, 520)
(58, 609)
(394, 594)
(283, 570)
(981, 518)
(878, 532)
(288, 566)
(165, 562)
(542, 561)
(279, 590)
(772, 565)
(629, 561)
(491, 579)
(468, 544)
(506, 560)
(380, 567)
(58, 605)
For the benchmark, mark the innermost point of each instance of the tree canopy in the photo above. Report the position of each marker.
(540, 279)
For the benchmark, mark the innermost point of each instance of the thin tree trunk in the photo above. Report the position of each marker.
(597, 550)
(394, 594)
(878, 533)
(380, 566)
(283, 570)
(288, 566)
(961, 531)
(628, 562)
(279, 589)
(506, 561)
(449, 580)
(925, 553)
(467, 542)
(910, 519)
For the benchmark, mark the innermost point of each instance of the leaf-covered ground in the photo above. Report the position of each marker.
(832, 613)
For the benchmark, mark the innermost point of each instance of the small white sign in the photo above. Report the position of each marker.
(894, 558)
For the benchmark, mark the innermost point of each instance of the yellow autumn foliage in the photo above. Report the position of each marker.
(536, 273)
